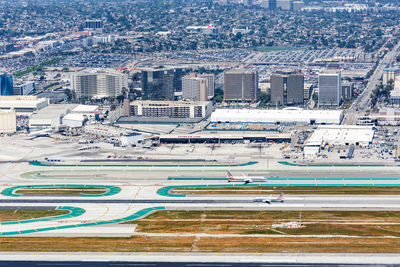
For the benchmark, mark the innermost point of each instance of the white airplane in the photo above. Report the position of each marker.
(269, 199)
(245, 179)
(41, 133)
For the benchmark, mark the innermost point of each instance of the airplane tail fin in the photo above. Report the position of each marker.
(229, 175)
(280, 197)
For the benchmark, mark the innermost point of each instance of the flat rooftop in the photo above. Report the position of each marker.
(341, 134)
(53, 111)
(168, 103)
(85, 108)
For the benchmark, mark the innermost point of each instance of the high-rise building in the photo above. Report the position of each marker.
(287, 88)
(271, 4)
(297, 5)
(284, 4)
(194, 88)
(93, 24)
(241, 85)
(347, 90)
(178, 74)
(6, 84)
(23, 88)
(99, 83)
(330, 89)
(158, 84)
(210, 85)
(390, 74)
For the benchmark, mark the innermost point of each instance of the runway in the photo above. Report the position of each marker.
(305, 200)
(156, 264)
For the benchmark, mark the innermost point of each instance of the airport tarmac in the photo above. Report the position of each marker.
(140, 186)
(132, 202)
(204, 259)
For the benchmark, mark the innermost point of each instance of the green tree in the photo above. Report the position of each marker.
(219, 95)
(264, 98)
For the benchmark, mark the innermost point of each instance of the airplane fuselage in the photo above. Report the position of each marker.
(247, 180)
(267, 200)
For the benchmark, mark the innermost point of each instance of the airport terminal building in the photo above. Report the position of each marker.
(225, 138)
(289, 116)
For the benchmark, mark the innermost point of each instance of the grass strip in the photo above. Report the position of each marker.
(21, 214)
(61, 191)
(358, 223)
(203, 244)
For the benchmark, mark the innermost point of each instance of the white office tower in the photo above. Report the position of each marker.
(99, 83)
(330, 89)
(194, 88)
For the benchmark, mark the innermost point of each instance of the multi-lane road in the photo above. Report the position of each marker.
(362, 103)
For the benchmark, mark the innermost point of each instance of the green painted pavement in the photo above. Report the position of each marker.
(132, 217)
(195, 179)
(73, 212)
(37, 163)
(286, 163)
(111, 190)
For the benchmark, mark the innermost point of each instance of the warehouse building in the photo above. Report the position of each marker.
(50, 117)
(132, 139)
(74, 120)
(283, 116)
(338, 135)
